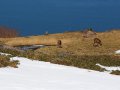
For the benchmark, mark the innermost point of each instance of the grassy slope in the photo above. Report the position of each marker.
(73, 42)
(76, 51)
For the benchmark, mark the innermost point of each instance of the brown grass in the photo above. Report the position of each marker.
(73, 42)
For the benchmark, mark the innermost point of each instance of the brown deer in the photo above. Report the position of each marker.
(59, 44)
(97, 42)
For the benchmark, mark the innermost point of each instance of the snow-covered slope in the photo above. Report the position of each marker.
(36, 75)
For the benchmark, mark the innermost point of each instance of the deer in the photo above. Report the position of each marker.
(97, 42)
(59, 44)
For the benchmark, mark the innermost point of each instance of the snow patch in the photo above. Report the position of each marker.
(4, 54)
(117, 52)
(109, 68)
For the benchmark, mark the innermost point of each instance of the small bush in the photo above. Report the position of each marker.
(6, 32)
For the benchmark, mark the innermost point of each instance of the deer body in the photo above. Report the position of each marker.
(97, 42)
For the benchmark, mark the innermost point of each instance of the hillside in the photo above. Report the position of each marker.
(73, 42)
(76, 50)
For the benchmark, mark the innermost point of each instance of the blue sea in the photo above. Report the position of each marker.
(34, 17)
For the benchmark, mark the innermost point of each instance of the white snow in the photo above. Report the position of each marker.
(4, 54)
(109, 68)
(37, 75)
(39, 45)
(117, 52)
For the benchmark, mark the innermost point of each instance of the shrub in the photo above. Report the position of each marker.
(7, 32)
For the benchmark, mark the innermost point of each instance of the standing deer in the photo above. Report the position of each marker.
(59, 44)
(97, 42)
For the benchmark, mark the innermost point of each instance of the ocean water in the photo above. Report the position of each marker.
(34, 17)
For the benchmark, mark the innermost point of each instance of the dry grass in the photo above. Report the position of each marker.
(44, 40)
(73, 42)
(80, 46)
